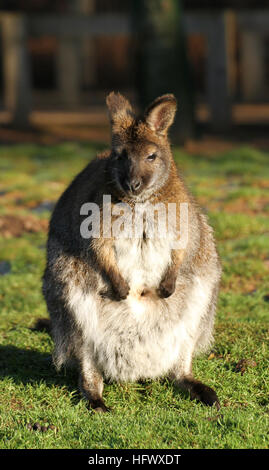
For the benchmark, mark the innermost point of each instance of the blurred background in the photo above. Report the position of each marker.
(59, 59)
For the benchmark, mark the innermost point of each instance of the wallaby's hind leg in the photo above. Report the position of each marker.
(91, 386)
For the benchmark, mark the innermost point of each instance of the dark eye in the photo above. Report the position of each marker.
(152, 157)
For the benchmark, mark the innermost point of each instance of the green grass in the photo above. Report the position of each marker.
(234, 189)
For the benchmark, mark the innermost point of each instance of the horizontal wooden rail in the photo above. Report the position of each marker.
(78, 25)
(116, 24)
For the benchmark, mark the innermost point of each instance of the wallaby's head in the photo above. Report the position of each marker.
(141, 158)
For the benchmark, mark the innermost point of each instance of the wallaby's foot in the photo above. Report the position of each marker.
(91, 387)
(42, 324)
(199, 391)
(98, 406)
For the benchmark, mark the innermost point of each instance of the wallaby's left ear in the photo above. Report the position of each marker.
(120, 111)
(161, 113)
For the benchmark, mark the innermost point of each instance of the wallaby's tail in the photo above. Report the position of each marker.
(42, 324)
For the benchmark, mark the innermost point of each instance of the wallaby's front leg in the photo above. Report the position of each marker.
(106, 260)
(168, 283)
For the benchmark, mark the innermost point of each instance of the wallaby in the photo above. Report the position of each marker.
(131, 308)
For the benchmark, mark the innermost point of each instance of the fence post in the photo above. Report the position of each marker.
(16, 68)
(162, 61)
(253, 65)
(68, 70)
(87, 7)
(71, 58)
(218, 73)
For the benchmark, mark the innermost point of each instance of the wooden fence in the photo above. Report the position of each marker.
(218, 27)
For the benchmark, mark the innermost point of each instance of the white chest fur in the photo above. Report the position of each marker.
(142, 263)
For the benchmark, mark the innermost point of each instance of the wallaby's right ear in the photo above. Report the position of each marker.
(120, 112)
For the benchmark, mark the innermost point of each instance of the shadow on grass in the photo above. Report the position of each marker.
(27, 366)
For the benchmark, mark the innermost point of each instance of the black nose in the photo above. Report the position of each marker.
(132, 185)
(135, 185)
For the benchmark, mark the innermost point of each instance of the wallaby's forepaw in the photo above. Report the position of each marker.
(116, 292)
(121, 291)
(166, 288)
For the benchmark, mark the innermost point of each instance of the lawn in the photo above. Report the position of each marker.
(40, 408)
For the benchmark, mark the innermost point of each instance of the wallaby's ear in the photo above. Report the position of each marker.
(160, 114)
(120, 112)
